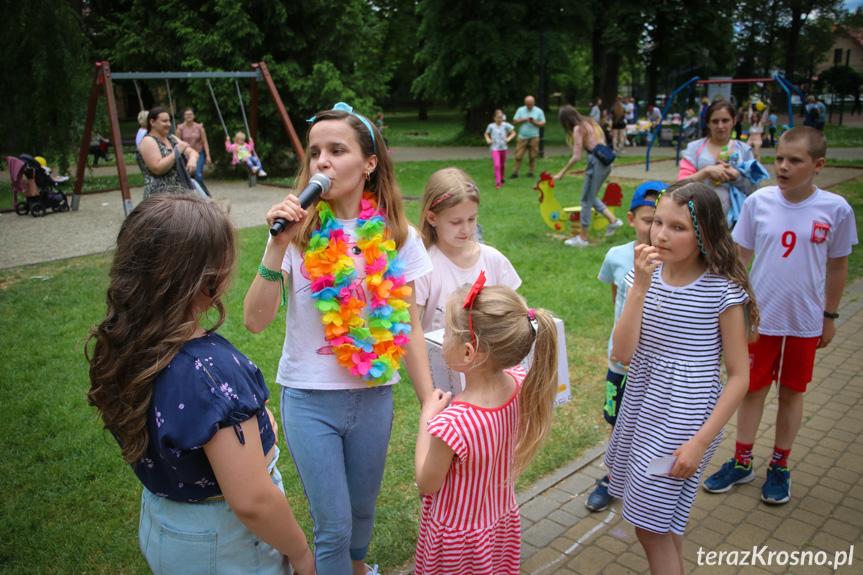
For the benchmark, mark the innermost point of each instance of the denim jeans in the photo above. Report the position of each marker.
(253, 162)
(199, 169)
(203, 538)
(338, 440)
(594, 176)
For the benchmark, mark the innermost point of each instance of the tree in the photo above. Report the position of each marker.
(318, 52)
(479, 55)
(44, 79)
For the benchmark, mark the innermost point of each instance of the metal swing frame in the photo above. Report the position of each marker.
(783, 82)
(103, 76)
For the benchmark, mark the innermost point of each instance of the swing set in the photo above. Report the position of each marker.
(783, 82)
(103, 76)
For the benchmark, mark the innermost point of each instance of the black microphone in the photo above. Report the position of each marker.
(319, 184)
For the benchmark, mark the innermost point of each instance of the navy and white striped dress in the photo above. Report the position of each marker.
(671, 390)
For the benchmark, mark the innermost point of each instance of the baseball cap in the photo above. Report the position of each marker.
(638, 198)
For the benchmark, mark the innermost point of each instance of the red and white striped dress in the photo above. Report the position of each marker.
(472, 525)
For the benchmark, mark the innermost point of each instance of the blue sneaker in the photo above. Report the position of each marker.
(599, 499)
(777, 488)
(729, 475)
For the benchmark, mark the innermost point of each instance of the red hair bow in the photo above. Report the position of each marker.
(468, 301)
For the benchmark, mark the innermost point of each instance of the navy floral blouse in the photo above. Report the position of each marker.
(208, 385)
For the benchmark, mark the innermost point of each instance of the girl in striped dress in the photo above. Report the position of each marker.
(469, 454)
(689, 303)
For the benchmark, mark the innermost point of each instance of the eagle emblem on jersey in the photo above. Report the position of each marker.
(819, 232)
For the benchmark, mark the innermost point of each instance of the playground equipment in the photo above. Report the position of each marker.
(103, 76)
(555, 216)
(786, 85)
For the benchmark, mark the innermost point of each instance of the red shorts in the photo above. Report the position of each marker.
(786, 359)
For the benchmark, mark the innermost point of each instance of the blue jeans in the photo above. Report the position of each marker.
(253, 162)
(203, 538)
(338, 440)
(199, 169)
(594, 176)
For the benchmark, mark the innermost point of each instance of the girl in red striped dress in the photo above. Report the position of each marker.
(469, 454)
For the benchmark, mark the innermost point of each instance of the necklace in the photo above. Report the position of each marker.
(371, 348)
(660, 301)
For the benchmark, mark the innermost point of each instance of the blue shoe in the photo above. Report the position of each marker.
(777, 488)
(599, 499)
(729, 475)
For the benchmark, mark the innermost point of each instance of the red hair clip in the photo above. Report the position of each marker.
(471, 297)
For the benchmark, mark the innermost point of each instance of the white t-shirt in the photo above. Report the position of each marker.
(434, 289)
(498, 135)
(307, 358)
(629, 110)
(617, 263)
(792, 243)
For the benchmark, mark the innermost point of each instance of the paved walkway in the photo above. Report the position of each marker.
(825, 513)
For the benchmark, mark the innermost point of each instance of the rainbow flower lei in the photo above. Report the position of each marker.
(369, 348)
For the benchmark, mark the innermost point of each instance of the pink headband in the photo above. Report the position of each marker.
(439, 200)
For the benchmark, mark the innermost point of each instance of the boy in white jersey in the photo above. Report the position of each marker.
(801, 237)
(618, 262)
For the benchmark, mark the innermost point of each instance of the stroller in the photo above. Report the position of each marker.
(40, 191)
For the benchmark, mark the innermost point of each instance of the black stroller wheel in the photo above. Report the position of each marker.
(64, 207)
(37, 210)
(22, 209)
(55, 208)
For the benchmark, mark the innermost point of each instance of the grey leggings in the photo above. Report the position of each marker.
(594, 177)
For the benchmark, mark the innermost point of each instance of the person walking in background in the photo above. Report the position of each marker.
(618, 125)
(596, 111)
(585, 135)
(193, 133)
(528, 119)
(498, 134)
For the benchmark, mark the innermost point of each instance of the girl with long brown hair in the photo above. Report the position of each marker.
(351, 262)
(585, 134)
(187, 408)
(469, 454)
(689, 305)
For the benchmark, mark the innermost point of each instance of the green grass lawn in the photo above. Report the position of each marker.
(70, 503)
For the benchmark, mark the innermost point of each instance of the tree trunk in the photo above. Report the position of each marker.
(598, 55)
(798, 17)
(476, 119)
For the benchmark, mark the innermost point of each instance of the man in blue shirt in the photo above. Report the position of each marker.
(528, 120)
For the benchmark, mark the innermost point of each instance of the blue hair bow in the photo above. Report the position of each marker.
(342, 107)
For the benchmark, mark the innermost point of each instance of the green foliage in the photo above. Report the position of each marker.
(44, 79)
(318, 53)
(479, 55)
(840, 79)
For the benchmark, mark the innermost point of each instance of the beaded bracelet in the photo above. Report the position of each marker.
(274, 276)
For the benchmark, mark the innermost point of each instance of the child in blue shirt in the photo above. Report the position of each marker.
(618, 262)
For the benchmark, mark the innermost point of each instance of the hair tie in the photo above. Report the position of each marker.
(439, 200)
(697, 232)
(471, 297)
(531, 313)
(342, 107)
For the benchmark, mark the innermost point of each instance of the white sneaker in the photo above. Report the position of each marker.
(577, 242)
(262, 173)
(609, 231)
